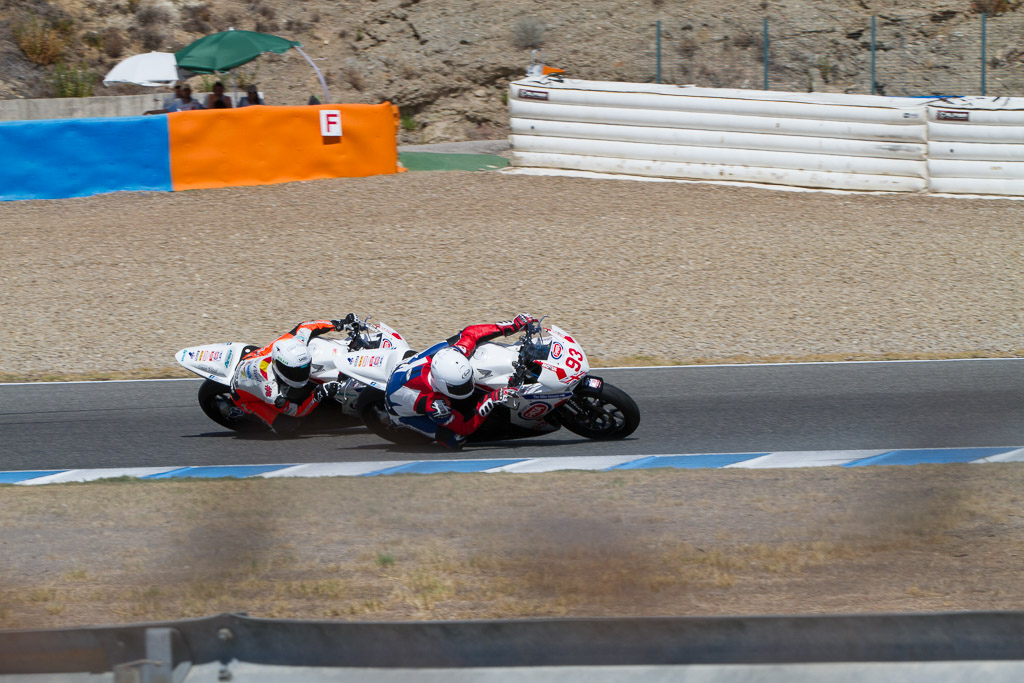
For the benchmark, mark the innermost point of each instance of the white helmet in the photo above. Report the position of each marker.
(451, 373)
(292, 362)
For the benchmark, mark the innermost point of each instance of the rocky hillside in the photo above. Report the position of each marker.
(447, 63)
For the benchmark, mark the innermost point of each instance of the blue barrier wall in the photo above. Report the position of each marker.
(80, 157)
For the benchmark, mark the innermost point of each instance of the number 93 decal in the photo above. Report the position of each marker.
(573, 362)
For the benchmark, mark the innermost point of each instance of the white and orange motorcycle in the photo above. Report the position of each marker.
(555, 389)
(367, 350)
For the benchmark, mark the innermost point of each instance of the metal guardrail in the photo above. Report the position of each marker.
(164, 651)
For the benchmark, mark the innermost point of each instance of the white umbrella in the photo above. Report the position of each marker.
(153, 69)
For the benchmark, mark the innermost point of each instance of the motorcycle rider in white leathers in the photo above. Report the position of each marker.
(273, 383)
(420, 391)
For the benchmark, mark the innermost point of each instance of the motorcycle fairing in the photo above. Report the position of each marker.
(566, 363)
(371, 367)
(492, 364)
(212, 361)
(536, 401)
(326, 354)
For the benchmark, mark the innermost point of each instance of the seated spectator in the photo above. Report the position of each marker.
(168, 101)
(185, 102)
(217, 99)
(252, 96)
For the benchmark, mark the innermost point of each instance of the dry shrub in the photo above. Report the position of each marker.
(198, 18)
(266, 26)
(151, 15)
(528, 33)
(267, 12)
(42, 43)
(354, 76)
(93, 39)
(152, 39)
(990, 6)
(113, 43)
(687, 47)
(746, 38)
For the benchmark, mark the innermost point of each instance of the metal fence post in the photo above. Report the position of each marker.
(657, 33)
(872, 54)
(984, 18)
(764, 41)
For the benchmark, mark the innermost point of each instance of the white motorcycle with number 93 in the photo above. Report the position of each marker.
(550, 375)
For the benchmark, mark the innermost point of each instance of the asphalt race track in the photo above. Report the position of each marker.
(693, 409)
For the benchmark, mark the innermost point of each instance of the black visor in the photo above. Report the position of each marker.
(297, 374)
(463, 389)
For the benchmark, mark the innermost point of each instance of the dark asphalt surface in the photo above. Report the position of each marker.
(684, 410)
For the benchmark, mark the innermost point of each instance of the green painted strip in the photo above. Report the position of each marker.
(432, 161)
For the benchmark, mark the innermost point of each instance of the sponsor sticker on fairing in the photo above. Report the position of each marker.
(556, 350)
(365, 361)
(535, 411)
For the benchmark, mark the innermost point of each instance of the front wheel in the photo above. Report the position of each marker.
(215, 400)
(612, 414)
(370, 406)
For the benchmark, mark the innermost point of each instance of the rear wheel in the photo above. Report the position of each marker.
(215, 400)
(612, 414)
(370, 406)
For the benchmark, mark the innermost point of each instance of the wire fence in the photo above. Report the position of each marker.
(885, 55)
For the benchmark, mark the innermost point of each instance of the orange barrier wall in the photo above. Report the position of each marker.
(265, 145)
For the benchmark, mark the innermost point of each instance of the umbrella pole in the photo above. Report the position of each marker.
(323, 83)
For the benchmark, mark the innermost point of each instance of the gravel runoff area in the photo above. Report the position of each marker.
(639, 271)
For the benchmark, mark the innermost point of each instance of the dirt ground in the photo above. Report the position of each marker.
(669, 542)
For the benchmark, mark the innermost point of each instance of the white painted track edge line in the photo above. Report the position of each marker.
(812, 362)
(102, 381)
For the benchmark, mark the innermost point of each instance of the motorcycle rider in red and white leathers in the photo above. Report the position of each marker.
(273, 383)
(420, 391)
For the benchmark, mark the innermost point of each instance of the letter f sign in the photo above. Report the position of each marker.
(330, 123)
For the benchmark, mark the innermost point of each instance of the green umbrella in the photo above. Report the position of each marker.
(229, 49)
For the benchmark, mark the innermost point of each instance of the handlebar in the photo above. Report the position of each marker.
(521, 364)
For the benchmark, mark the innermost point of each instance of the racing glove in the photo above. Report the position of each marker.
(326, 390)
(339, 325)
(496, 397)
(519, 322)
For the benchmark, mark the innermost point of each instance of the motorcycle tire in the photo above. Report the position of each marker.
(213, 396)
(612, 414)
(370, 406)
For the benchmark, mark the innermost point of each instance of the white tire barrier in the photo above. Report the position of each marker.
(969, 145)
(850, 130)
(976, 145)
(748, 174)
(717, 138)
(854, 142)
